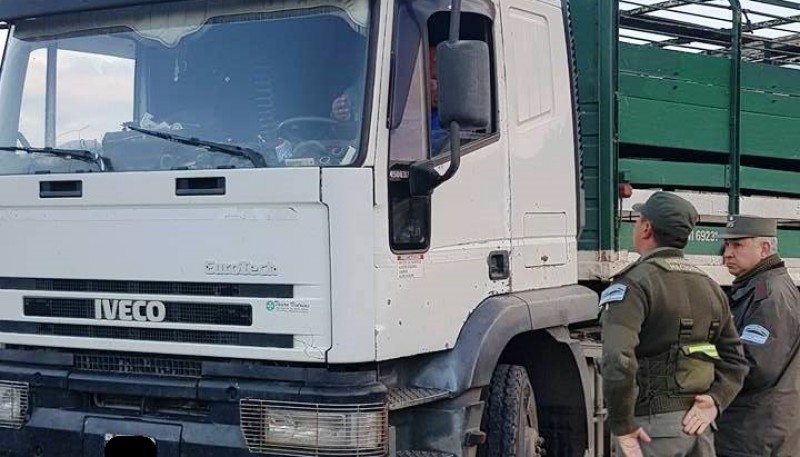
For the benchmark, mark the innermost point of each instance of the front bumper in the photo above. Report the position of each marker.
(58, 433)
(71, 413)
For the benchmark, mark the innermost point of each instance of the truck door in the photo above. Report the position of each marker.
(541, 145)
(450, 235)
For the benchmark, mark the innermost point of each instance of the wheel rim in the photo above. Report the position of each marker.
(528, 434)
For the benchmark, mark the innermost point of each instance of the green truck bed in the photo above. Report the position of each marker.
(669, 99)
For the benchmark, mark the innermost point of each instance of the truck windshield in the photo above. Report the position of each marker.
(283, 80)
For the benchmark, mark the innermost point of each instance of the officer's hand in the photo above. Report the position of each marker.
(700, 416)
(340, 109)
(629, 444)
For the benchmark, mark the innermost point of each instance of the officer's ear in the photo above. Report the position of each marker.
(765, 247)
(648, 231)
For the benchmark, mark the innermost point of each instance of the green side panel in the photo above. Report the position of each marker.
(681, 116)
(771, 104)
(673, 125)
(661, 63)
(705, 241)
(769, 78)
(776, 181)
(656, 173)
(675, 91)
(705, 176)
(681, 101)
(769, 136)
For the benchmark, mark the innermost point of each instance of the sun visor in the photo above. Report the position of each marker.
(11, 10)
(424, 9)
(169, 23)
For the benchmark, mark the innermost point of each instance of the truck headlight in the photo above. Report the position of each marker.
(13, 404)
(310, 429)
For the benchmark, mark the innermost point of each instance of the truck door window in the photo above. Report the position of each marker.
(409, 220)
(408, 142)
(416, 133)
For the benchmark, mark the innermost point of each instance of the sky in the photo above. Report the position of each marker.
(711, 15)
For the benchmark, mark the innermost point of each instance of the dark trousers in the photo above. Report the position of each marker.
(669, 440)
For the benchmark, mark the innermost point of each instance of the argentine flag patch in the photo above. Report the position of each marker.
(614, 293)
(755, 334)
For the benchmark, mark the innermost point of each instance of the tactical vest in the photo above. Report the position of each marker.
(669, 381)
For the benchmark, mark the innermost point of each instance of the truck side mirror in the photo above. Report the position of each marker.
(465, 100)
(464, 83)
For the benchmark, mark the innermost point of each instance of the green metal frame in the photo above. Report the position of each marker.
(609, 153)
(734, 184)
(721, 118)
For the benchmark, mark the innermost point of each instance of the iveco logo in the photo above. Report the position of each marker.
(129, 310)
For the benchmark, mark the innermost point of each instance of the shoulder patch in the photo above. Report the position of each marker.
(755, 334)
(614, 293)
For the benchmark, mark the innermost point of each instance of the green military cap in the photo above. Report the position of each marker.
(670, 214)
(740, 226)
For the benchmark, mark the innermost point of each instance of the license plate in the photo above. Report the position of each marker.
(109, 436)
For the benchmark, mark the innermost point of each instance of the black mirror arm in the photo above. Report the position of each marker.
(423, 177)
(455, 130)
(455, 21)
(455, 152)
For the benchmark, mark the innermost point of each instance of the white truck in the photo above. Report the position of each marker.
(236, 227)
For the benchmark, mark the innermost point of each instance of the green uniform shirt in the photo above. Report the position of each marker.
(641, 316)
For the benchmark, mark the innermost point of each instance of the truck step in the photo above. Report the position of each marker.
(406, 397)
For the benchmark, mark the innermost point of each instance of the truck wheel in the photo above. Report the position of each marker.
(511, 424)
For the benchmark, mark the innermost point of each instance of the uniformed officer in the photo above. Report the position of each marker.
(764, 420)
(671, 356)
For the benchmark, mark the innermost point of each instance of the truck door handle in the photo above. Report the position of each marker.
(60, 189)
(200, 186)
(499, 265)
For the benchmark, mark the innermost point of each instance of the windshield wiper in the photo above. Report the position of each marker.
(79, 154)
(230, 149)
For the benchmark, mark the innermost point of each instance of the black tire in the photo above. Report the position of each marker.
(510, 422)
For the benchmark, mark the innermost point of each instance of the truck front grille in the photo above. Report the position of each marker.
(178, 312)
(150, 334)
(152, 406)
(138, 365)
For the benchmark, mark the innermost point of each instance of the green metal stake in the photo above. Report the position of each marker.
(734, 180)
(607, 96)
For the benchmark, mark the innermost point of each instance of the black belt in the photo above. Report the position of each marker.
(664, 404)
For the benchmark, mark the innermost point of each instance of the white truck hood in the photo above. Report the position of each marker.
(129, 265)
